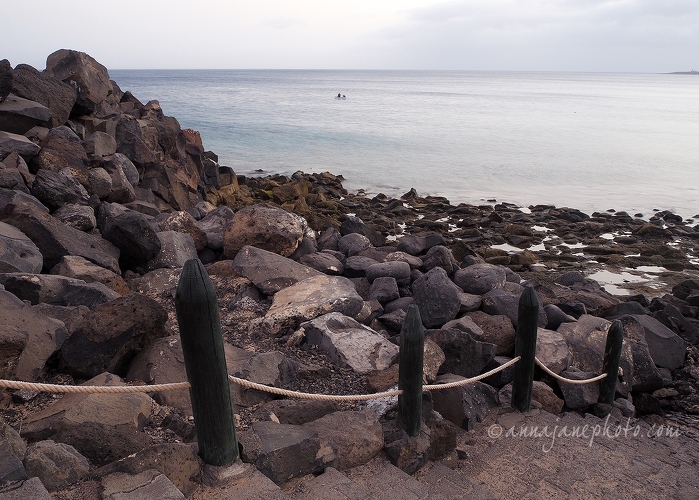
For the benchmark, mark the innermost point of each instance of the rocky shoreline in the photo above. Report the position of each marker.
(102, 201)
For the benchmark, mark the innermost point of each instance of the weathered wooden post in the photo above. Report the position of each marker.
(525, 346)
(205, 362)
(411, 356)
(612, 356)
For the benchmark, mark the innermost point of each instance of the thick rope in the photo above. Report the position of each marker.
(437, 387)
(91, 389)
(121, 389)
(568, 380)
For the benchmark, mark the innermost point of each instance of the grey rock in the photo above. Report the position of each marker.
(133, 235)
(80, 217)
(356, 225)
(437, 297)
(55, 189)
(479, 279)
(469, 302)
(384, 289)
(266, 227)
(349, 343)
(17, 143)
(500, 378)
(398, 270)
(11, 467)
(269, 271)
(6, 79)
(147, 485)
(352, 438)
(356, 266)
(122, 190)
(58, 290)
(465, 405)
(74, 266)
(55, 239)
(214, 226)
(500, 302)
(440, 256)
(22, 490)
(37, 86)
(353, 243)
(579, 396)
(552, 350)
(19, 115)
(57, 464)
(281, 451)
(555, 316)
(666, 348)
(100, 144)
(324, 262)
(496, 329)
(465, 356)
(17, 252)
(295, 411)
(175, 249)
(111, 335)
(183, 222)
(87, 75)
(102, 443)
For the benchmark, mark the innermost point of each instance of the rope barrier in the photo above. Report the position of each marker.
(121, 389)
(568, 380)
(90, 389)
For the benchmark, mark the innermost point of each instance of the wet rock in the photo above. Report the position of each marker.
(437, 298)
(263, 226)
(349, 343)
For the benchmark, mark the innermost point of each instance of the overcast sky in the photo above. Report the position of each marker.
(549, 35)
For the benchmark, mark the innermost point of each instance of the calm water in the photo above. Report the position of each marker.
(589, 141)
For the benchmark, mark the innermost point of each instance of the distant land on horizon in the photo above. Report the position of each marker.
(693, 72)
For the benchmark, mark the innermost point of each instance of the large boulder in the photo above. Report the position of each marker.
(266, 227)
(464, 355)
(55, 189)
(18, 254)
(122, 191)
(479, 279)
(349, 343)
(175, 249)
(133, 235)
(587, 339)
(111, 335)
(356, 225)
(18, 115)
(61, 149)
(646, 377)
(496, 330)
(437, 297)
(309, 299)
(6, 79)
(55, 239)
(214, 225)
(665, 347)
(84, 73)
(499, 302)
(552, 350)
(56, 95)
(183, 222)
(81, 217)
(269, 271)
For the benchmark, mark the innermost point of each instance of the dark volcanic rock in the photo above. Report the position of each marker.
(17, 252)
(269, 271)
(464, 355)
(357, 225)
(55, 189)
(479, 279)
(500, 302)
(437, 297)
(18, 115)
(56, 95)
(6, 79)
(111, 335)
(133, 235)
(61, 149)
(55, 239)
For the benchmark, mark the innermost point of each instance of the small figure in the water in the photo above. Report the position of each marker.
(339, 95)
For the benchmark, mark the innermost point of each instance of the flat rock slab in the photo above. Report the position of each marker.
(309, 299)
(147, 485)
(269, 271)
(349, 343)
(57, 290)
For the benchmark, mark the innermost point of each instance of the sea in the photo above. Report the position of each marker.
(591, 141)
